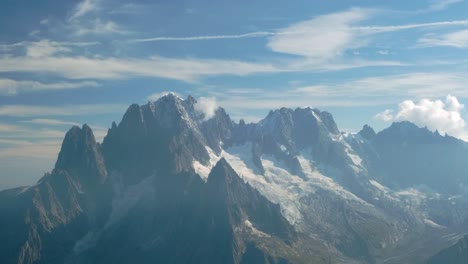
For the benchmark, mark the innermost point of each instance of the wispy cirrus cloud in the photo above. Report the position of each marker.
(319, 44)
(439, 5)
(457, 39)
(415, 84)
(45, 48)
(51, 122)
(40, 149)
(344, 29)
(14, 87)
(97, 27)
(87, 19)
(392, 28)
(61, 110)
(80, 67)
(257, 34)
(323, 37)
(83, 8)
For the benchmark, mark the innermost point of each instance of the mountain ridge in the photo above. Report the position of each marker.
(166, 171)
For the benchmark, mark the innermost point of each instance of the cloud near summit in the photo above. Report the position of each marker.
(444, 116)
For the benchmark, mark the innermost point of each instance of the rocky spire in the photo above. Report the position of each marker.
(367, 132)
(81, 155)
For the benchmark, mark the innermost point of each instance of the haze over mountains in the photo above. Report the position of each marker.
(173, 184)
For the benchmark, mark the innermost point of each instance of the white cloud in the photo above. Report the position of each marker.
(62, 110)
(386, 115)
(32, 142)
(9, 131)
(13, 87)
(44, 48)
(207, 106)
(457, 39)
(303, 31)
(52, 122)
(8, 128)
(323, 37)
(441, 4)
(444, 116)
(391, 28)
(383, 52)
(122, 68)
(256, 34)
(96, 27)
(86, 20)
(40, 149)
(417, 84)
(83, 8)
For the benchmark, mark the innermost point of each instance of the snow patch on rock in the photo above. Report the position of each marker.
(255, 231)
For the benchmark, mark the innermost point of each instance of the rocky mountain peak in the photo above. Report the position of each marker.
(367, 132)
(408, 132)
(328, 121)
(222, 172)
(81, 155)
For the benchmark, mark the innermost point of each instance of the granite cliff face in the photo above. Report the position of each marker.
(168, 185)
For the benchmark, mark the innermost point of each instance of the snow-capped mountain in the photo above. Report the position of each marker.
(170, 185)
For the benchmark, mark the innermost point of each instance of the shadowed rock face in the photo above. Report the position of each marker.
(367, 132)
(43, 222)
(81, 155)
(409, 155)
(184, 220)
(456, 254)
(289, 189)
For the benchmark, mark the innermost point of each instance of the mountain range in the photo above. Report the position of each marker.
(172, 184)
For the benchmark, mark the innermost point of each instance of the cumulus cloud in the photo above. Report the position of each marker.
(386, 115)
(444, 116)
(207, 106)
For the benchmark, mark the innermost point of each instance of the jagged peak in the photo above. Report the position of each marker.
(75, 133)
(275, 116)
(133, 110)
(322, 117)
(191, 100)
(222, 171)
(408, 131)
(367, 132)
(404, 125)
(222, 164)
(169, 97)
(77, 144)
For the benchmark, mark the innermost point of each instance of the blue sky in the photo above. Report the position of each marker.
(367, 62)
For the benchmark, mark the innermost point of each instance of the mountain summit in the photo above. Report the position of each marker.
(172, 184)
